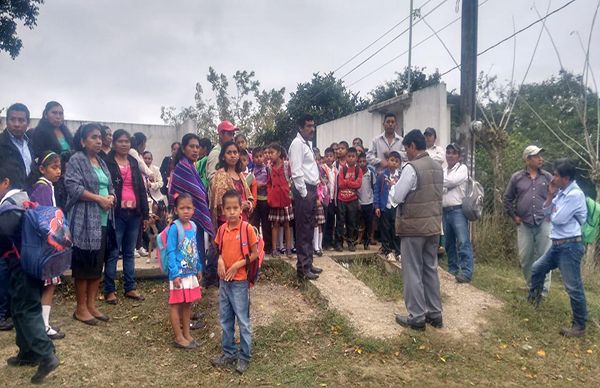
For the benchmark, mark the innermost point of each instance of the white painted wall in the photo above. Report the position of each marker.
(361, 124)
(428, 108)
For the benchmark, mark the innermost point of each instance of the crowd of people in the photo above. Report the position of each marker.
(302, 201)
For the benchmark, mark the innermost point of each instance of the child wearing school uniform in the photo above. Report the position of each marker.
(43, 193)
(323, 199)
(35, 347)
(260, 216)
(329, 168)
(349, 181)
(234, 298)
(185, 271)
(281, 212)
(384, 209)
(365, 199)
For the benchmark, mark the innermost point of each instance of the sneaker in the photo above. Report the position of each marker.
(573, 331)
(222, 361)
(143, 252)
(242, 366)
(136, 255)
(390, 257)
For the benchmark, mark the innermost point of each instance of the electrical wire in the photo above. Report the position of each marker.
(378, 39)
(514, 34)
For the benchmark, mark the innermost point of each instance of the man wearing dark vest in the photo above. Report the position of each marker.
(419, 224)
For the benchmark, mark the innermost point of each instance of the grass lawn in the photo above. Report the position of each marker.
(520, 346)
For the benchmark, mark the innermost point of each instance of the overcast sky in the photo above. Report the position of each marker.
(122, 60)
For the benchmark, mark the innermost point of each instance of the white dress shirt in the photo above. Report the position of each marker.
(406, 183)
(380, 146)
(438, 154)
(302, 163)
(455, 184)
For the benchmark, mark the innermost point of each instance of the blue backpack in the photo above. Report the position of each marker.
(46, 244)
(161, 244)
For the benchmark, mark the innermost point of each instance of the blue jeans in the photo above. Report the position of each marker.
(127, 228)
(234, 302)
(458, 244)
(4, 287)
(567, 258)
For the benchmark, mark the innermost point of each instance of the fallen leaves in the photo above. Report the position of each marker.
(541, 353)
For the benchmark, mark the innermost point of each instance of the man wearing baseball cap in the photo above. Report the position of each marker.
(523, 200)
(226, 132)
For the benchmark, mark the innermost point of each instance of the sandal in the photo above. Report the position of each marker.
(188, 346)
(137, 297)
(91, 322)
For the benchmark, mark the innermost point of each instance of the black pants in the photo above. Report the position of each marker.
(347, 222)
(366, 214)
(387, 230)
(260, 219)
(329, 229)
(26, 308)
(304, 217)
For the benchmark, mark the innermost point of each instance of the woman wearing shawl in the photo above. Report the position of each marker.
(185, 179)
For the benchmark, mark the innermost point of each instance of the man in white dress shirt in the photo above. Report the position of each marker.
(305, 176)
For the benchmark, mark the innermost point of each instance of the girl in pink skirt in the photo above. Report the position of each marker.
(185, 271)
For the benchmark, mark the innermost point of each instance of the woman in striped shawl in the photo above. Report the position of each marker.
(185, 179)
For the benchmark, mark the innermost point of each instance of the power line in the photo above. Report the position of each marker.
(415, 46)
(390, 42)
(514, 34)
(378, 39)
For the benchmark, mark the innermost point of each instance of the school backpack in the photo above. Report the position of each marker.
(161, 244)
(472, 205)
(46, 243)
(252, 268)
(589, 229)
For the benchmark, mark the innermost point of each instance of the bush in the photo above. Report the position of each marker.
(494, 239)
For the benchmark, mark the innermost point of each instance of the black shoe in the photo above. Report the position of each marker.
(294, 251)
(315, 270)
(58, 335)
(338, 248)
(308, 276)
(573, 331)
(197, 316)
(366, 245)
(352, 248)
(535, 297)
(222, 361)
(319, 253)
(438, 323)
(16, 361)
(46, 366)
(242, 366)
(405, 321)
(462, 279)
(197, 325)
(6, 324)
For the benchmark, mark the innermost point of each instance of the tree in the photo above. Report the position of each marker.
(324, 97)
(12, 11)
(252, 110)
(398, 86)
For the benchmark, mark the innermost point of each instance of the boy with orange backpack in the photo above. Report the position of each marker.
(239, 259)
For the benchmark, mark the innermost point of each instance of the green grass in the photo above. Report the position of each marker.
(387, 286)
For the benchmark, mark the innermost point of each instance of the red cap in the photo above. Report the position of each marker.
(226, 126)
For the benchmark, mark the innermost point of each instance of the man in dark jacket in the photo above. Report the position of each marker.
(16, 150)
(14, 144)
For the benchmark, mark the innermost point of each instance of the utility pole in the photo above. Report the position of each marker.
(468, 76)
(410, 28)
